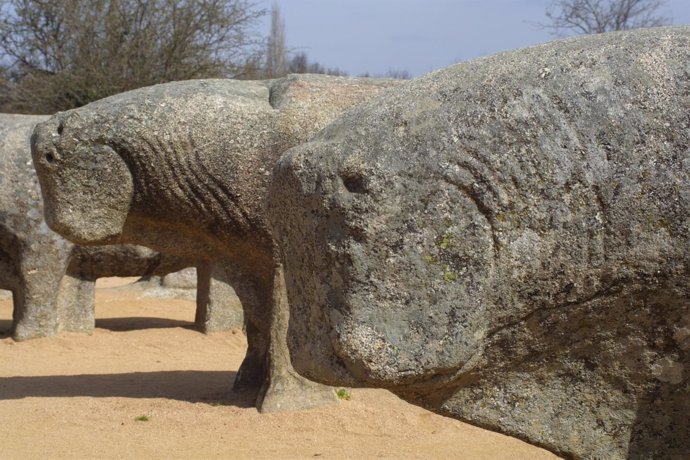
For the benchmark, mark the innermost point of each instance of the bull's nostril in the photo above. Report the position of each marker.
(50, 158)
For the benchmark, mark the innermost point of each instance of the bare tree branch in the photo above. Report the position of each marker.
(598, 16)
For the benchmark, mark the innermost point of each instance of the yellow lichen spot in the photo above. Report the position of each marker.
(449, 275)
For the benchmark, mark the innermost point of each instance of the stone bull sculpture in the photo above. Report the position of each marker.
(184, 168)
(507, 242)
(53, 280)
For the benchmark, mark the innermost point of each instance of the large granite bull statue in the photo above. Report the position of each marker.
(507, 241)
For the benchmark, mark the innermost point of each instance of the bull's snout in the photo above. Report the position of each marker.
(45, 141)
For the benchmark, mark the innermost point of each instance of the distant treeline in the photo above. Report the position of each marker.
(62, 54)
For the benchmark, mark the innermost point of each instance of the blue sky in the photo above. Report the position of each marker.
(418, 36)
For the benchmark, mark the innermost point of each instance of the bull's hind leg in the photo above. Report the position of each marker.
(216, 309)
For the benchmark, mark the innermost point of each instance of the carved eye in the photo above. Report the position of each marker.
(60, 128)
(50, 158)
(354, 184)
(354, 181)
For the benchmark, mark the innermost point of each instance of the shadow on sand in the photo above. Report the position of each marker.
(5, 326)
(136, 323)
(120, 324)
(210, 387)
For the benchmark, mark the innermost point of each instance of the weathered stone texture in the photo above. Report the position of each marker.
(184, 168)
(51, 279)
(184, 279)
(26, 243)
(507, 241)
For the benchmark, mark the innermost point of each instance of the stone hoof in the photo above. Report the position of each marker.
(250, 376)
(23, 332)
(292, 392)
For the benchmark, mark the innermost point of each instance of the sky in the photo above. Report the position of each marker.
(417, 36)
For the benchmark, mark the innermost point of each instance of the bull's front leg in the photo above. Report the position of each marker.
(252, 294)
(266, 367)
(76, 303)
(35, 299)
(284, 388)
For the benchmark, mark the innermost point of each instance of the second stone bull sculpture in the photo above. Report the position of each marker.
(51, 279)
(184, 168)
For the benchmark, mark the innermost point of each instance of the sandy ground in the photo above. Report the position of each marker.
(79, 396)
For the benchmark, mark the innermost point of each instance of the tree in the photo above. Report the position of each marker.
(66, 53)
(280, 60)
(393, 74)
(398, 74)
(598, 16)
(276, 49)
(299, 63)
